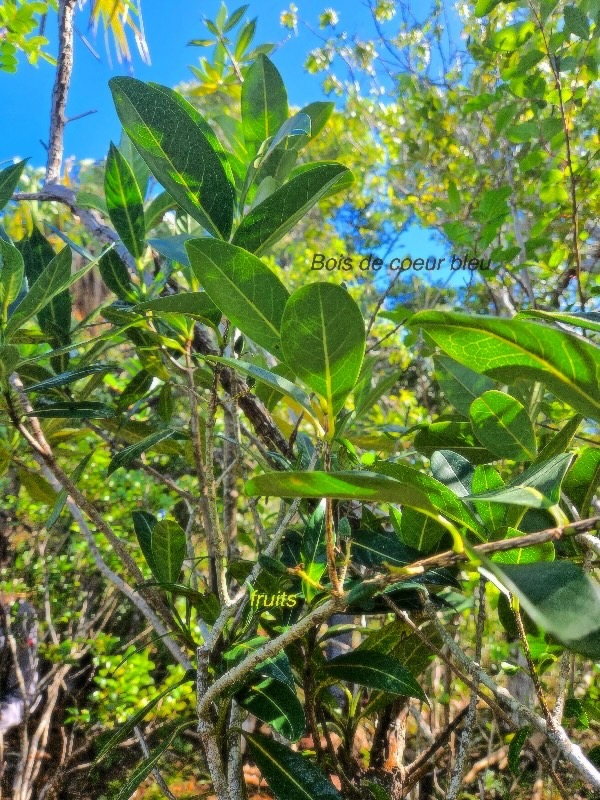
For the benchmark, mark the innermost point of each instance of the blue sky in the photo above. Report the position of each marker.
(25, 96)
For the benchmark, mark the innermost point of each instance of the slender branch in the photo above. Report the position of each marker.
(62, 80)
(157, 776)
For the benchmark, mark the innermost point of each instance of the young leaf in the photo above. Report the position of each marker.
(168, 550)
(124, 202)
(177, 152)
(242, 287)
(9, 178)
(323, 341)
(270, 220)
(502, 424)
(290, 776)
(264, 103)
(510, 349)
(11, 276)
(276, 704)
(374, 670)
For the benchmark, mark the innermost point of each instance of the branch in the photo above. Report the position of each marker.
(60, 90)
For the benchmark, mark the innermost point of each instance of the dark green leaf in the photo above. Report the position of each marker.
(62, 495)
(323, 341)
(124, 202)
(9, 178)
(374, 670)
(85, 409)
(246, 290)
(289, 775)
(116, 276)
(576, 22)
(195, 304)
(502, 424)
(157, 209)
(69, 377)
(135, 389)
(270, 220)
(583, 479)
(11, 276)
(460, 384)
(9, 358)
(452, 435)
(515, 747)
(277, 704)
(511, 349)
(143, 524)
(177, 152)
(419, 531)
(264, 103)
(126, 456)
(589, 320)
(319, 114)
(487, 479)
(453, 471)
(168, 550)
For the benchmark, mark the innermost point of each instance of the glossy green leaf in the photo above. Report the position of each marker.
(195, 304)
(84, 409)
(269, 378)
(168, 550)
(124, 202)
(277, 704)
(537, 487)
(510, 349)
(559, 597)
(66, 378)
(54, 279)
(116, 276)
(524, 555)
(323, 341)
(319, 113)
(290, 775)
(397, 484)
(248, 293)
(460, 384)
(129, 454)
(173, 247)
(177, 151)
(270, 220)
(560, 441)
(9, 178)
(583, 479)
(375, 671)
(11, 276)
(588, 320)
(502, 425)
(264, 103)
(420, 531)
(455, 436)
(487, 479)
(143, 525)
(453, 471)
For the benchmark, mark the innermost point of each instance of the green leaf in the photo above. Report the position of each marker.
(460, 384)
(173, 248)
(248, 293)
(61, 500)
(487, 479)
(136, 163)
(319, 114)
(276, 704)
(124, 202)
(168, 550)
(589, 320)
(510, 349)
(502, 424)
(157, 208)
(583, 479)
(144, 769)
(66, 378)
(515, 747)
(560, 441)
(177, 151)
(54, 279)
(269, 378)
(9, 358)
(126, 456)
(270, 220)
(84, 409)
(420, 531)
(234, 18)
(375, 671)
(264, 103)
(124, 731)
(116, 276)
(559, 597)
(483, 7)
(9, 178)
(451, 435)
(524, 555)
(323, 341)
(537, 487)
(576, 22)
(398, 484)
(143, 525)
(453, 471)
(194, 304)
(290, 775)
(135, 390)
(11, 276)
